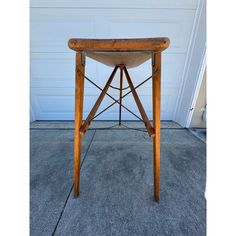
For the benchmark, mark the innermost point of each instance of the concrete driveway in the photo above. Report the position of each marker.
(116, 185)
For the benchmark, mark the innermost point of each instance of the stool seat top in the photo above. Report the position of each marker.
(111, 52)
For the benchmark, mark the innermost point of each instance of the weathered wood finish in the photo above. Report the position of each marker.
(121, 87)
(79, 94)
(153, 46)
(156, 93)
(119, 45)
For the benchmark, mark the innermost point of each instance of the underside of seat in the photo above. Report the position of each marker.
(129, 59)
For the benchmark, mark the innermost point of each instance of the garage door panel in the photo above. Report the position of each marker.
(184, 4)
(59, 103)
(52, 86)
(164, 23)
(52, 68)
(52, 36)
(51, 28)
(58, 70)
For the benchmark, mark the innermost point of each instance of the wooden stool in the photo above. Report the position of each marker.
(123, 54)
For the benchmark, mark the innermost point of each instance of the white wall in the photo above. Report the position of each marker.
(194, 64)
(52, 63)
(197, 119)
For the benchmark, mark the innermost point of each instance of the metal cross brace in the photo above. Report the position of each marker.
(104, 92)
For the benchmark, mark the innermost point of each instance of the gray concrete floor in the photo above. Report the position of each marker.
(200, 133)
(116, 184)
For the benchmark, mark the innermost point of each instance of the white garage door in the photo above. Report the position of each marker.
(52, 63)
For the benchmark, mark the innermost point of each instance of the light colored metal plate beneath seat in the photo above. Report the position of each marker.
(130, 59)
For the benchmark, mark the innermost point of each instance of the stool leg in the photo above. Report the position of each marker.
(156, 93)
(121, 86)
(79, 94)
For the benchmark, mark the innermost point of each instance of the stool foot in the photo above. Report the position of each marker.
(76, 193)
(156, 197)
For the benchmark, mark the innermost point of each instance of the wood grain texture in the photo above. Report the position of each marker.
(156, 94)
(121, 87)
(154, 132)
(79, 94)
(119, 45)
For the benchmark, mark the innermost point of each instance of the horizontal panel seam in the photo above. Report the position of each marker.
(118, 8)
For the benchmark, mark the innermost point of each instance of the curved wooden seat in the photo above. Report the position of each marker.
(111, 52)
